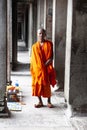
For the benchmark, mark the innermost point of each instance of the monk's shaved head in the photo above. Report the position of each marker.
(41, 34)
(41, 30)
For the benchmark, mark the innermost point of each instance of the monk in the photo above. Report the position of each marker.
(42, 71)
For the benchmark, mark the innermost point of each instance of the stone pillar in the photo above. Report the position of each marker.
(3, 104)
(34, 21)
(9, 38)
(14, 34)
(26, 28)
(68, 56)
(45, 13)
(49, 15)
(2, 48)
(54, 28)
(76, 55)
(59, 38)
(24, 32)
(68, 48)
(30, 29)
(40, 13)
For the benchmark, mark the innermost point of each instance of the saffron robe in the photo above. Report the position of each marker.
(42, 76)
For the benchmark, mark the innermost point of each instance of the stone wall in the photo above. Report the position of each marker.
(2, 47)
(78, 74)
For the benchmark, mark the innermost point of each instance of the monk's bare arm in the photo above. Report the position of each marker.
(48, 61)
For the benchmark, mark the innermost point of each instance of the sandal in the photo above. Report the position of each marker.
(38, 105)
(50, 105)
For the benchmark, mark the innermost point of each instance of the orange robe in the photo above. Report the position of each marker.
(42, 76)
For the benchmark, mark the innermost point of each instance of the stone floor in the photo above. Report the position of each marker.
(36, 118)
(40, 118)
(44, 118)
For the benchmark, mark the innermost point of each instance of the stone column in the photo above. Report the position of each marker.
(2, 48)
(76, 55)
(24, 32)
(34, 21)
(26, 28)
(9, 37)
(45, 13)
(68, 48)
(59, 38)
(30, 29)
(14, 34)
(68, 56)
(54, 28)
(40, 14)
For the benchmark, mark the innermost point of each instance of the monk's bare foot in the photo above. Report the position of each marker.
(22, 103)
(50, 105)
(38, 105)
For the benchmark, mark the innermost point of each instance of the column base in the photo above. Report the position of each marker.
(5, 113)
(69, 111)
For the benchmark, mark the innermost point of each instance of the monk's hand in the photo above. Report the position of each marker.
(48, 62)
